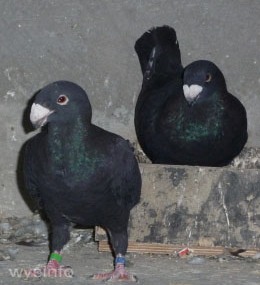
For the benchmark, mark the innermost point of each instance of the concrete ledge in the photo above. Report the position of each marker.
(187, 204)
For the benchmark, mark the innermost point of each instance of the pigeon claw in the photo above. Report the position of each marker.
(51, 269)
(118, 275)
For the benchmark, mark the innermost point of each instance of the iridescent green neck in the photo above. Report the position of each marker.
(68, 149)
(198, 127)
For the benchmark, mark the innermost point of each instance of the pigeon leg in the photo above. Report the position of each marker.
(119, 243)
(60, 236)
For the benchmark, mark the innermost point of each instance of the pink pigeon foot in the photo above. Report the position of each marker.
(119, 274)
(51, 269)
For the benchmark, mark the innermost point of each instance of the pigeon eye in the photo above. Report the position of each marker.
(208, 77)
(63, 100)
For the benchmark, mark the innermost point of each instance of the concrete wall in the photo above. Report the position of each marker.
(186, 204)
(92, 43)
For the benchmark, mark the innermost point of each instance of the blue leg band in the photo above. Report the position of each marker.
(120, 259)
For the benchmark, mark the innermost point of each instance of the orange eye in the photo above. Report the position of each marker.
(63, 100)
(208, 77)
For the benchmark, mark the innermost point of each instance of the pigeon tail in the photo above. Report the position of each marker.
(158, 51)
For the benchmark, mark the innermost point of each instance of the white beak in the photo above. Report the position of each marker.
(39, 115)
(191, 92)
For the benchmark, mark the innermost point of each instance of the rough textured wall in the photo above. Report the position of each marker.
(92, 43)
(186, 204)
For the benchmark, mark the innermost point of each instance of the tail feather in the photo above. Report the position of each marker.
(159, 44)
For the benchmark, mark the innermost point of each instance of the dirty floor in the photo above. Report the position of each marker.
(150, 269)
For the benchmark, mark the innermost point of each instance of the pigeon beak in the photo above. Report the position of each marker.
(191, 92)
(39, 115)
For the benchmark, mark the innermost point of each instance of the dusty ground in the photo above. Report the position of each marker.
(150, 269)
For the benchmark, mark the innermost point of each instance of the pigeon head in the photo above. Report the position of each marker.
(202, 79)
(60, 102)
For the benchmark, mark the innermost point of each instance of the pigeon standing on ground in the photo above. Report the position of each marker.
(185, 116)
(79, 173)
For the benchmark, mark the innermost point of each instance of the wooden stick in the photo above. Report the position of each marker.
(158, 248)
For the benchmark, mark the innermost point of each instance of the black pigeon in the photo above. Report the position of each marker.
(79, 173)
(185, 116)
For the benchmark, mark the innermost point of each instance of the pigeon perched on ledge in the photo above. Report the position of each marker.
(185, 116)
(79, 173)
